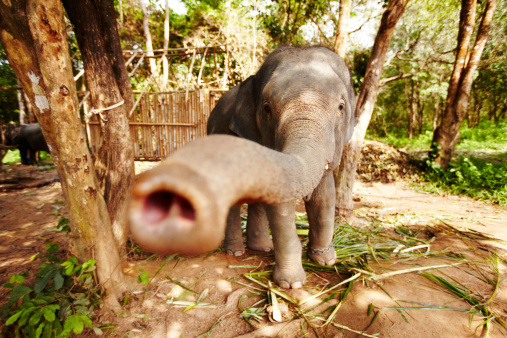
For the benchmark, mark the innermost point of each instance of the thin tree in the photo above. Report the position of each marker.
(344, 175)
(147, 36)
(165, 62)
(446, 135)
(342, 34)
(33, 33)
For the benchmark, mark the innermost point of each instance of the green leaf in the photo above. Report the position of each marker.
(82, 301)
(70, 322)
(17, 278)
(35, 318)
(43, 282)
(49, 314)
(143, 277)
(48, 330)
(53, 307)
(86, 320)
(13, 318)
(39, 330)
(78, 325)
(21, 290)
(26, 315)
(89, 265)
(58, 280)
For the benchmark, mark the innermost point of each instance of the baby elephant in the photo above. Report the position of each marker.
(301, 102)
(29, 139)
(283, 132)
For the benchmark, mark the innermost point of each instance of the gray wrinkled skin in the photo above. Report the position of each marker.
(301, 103)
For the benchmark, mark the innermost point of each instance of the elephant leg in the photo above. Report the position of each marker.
(233, 242)
(257, 230)
(321, 211)
(33, 157)
(288, 271)
(23, 152)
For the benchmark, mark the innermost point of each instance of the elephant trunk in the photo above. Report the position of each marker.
(182, 204)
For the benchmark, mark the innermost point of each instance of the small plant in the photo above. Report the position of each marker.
(61, 301)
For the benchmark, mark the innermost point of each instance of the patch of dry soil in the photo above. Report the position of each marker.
(26, 225)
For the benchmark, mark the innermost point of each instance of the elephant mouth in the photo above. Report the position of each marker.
(163, 205)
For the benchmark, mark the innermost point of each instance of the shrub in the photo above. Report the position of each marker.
(61, 301)
(471, 176)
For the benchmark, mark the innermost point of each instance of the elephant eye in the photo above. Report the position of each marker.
(342, 104)
(267, 110)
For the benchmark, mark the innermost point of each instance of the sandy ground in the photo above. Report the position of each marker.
(29, 216)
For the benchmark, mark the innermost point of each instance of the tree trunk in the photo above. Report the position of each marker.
(97, 36)
(147, 36)
(345, 173)
(21, 105)
(446, 135)
(342, 34)
(165, 62)
(33, 31)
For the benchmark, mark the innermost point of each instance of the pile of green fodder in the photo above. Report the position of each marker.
(368, 254)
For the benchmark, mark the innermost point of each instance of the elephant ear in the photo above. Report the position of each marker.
(243, 122)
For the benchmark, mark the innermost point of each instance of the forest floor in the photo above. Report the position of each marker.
(463, 239)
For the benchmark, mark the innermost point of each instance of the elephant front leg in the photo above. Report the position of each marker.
(321, 211)
(257, 229)
(233, 242)
(288, 271)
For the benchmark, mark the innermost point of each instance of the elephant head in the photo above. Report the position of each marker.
(293, 119)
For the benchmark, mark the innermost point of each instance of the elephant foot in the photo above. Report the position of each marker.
(234, 249)
(289, 277)
(260, 244)
(326, 256)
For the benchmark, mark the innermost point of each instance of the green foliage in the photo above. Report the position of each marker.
(421, 141)
(9, 108)
(60, 302)
(472, 177)
(13, 156)
(486, 136)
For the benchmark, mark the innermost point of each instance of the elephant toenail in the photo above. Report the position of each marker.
(229, 252)
(267, 250)
(284, 285)
(238, 253)
(297, 285)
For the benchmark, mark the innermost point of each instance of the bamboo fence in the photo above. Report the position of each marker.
(162, 122)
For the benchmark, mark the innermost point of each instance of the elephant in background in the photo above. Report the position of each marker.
(29, 140)
(283, 132)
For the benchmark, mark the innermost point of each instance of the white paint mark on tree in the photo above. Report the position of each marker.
(41, 100)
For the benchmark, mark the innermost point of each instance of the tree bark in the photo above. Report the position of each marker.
(446, 135)
(345, 173)
(342, 34)
(165, 62)
(97, 36)
(147, 36)
(21, 105)
(34, 37)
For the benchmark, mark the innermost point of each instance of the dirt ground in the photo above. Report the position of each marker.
(29, 216)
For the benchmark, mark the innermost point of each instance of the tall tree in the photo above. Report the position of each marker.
(147, 36)
(342, 34)
(34, 36)
(446, 135)
(345, 174)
